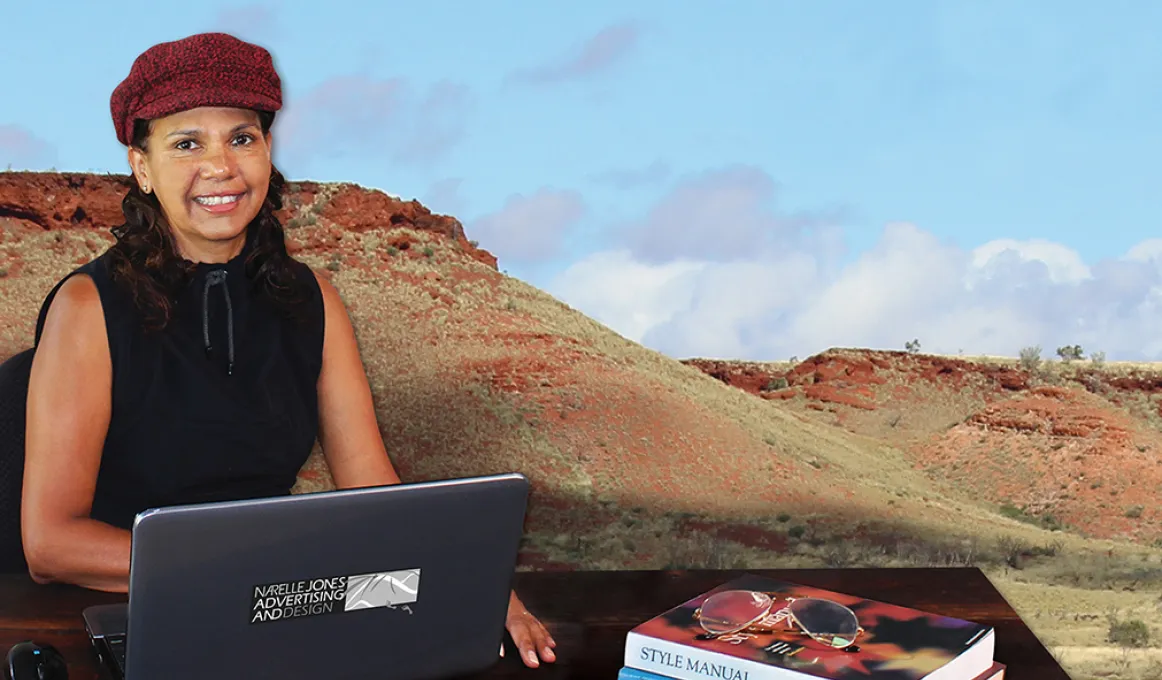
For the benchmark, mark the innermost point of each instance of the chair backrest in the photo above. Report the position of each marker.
(13, 397)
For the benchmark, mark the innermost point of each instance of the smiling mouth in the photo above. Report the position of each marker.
(217, 200)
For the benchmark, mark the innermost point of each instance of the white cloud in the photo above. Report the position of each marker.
(1148, 250)
(792, 297)
(444, 196)
(874, 299)
(598, 285)
(20, 149)
(717, 215)
(529, 227)
(1064, 264)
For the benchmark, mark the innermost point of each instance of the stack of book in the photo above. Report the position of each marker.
(754, 628)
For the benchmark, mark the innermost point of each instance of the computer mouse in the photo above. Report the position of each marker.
(35, 661)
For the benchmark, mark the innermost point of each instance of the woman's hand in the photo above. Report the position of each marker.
(531, 638)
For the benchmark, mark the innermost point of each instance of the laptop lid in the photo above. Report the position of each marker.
(407, 581)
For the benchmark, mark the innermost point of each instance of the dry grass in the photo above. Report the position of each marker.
(1051, 366)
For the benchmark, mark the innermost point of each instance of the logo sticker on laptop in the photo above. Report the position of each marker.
(316, 597)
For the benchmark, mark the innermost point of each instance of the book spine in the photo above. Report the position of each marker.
(627, 673)
(683, 662)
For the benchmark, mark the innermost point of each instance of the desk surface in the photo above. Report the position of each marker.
(589, 613)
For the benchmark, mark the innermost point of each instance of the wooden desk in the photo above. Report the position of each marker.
(589, 613)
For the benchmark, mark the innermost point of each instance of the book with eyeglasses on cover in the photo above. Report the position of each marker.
(755, 628)
(994, 672)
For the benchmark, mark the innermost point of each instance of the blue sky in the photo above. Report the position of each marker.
(687, 160)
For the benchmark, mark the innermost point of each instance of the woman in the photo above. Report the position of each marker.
(194, 360)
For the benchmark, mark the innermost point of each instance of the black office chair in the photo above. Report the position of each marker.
(13, 396)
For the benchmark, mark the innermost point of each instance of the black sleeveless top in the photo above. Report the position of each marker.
(220, 405)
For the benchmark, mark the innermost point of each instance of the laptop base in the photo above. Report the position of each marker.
(106, 626)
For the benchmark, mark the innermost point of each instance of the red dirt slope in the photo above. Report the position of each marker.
(1073, 444)
(1059, 453)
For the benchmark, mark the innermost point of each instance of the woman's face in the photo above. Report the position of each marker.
(210, 169)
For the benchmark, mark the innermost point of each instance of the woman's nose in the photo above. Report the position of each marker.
(218, 161)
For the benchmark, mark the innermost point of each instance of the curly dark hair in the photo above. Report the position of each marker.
(145, 259)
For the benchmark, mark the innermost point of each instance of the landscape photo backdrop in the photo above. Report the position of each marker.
(754, 284)
(1044, 472)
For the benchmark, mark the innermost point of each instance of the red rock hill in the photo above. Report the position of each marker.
(637, 460)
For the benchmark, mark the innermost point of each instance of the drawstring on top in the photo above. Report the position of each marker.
(214, 278)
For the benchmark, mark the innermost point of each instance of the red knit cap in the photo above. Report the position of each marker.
(208, 69)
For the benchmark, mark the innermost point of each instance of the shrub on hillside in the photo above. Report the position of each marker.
(1031, 357)
(776, 384)
(1131, 633)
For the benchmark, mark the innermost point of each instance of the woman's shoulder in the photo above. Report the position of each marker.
(93, 278)
(79, 297)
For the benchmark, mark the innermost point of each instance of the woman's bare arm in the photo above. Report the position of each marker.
(348, 430)
(69, 405)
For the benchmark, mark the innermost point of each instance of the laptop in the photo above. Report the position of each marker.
(407, 581)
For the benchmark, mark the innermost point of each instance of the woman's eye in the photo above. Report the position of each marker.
(244, 138)
(183, 145)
